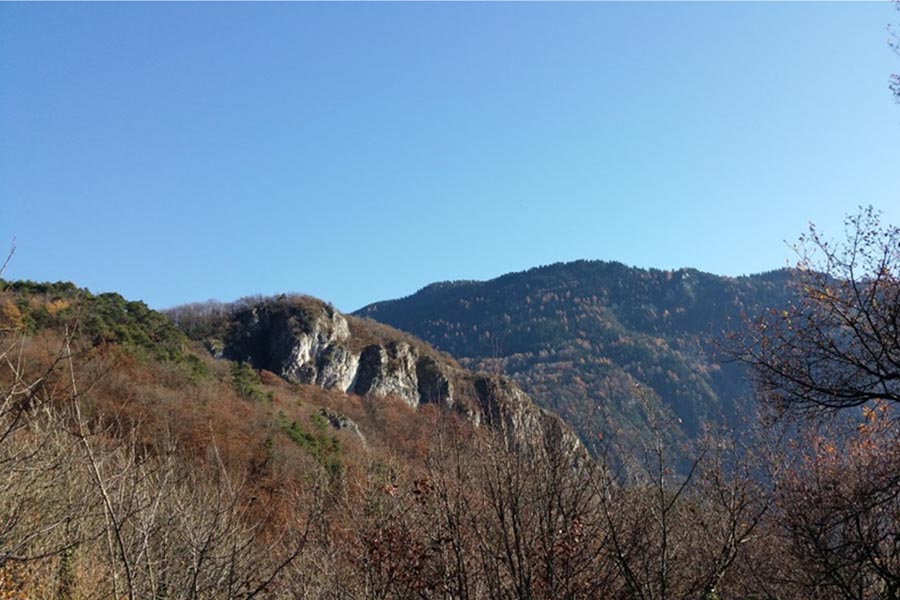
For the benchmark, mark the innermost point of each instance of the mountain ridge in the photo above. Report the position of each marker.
(590, 339)
(454, 283)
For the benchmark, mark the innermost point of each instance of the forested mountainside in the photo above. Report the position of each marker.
(274, 448)
(290, 453)
(598, 342)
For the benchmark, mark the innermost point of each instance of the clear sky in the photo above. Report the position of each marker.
(356, 152)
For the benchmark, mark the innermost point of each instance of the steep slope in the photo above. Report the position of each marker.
(269, 483)
(598, 342)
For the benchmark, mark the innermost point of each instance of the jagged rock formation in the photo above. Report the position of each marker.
(306, 341)
(294, 346)
(388, 370)
(340, 421)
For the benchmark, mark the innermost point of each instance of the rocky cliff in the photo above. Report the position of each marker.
(306, 341)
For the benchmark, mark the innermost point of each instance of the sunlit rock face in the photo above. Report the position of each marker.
(309, 342)
(297, 346)
(389, 370)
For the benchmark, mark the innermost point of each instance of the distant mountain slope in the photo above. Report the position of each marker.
(598, 342)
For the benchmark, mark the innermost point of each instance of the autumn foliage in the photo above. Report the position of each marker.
(135, 465)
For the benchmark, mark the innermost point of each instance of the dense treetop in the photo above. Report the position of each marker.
(101, 318)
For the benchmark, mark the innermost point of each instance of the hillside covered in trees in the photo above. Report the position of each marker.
(598, 342)
(274, 448)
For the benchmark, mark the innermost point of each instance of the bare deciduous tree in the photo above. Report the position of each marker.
(838, 344)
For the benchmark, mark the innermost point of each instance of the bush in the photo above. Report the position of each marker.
(246, 382)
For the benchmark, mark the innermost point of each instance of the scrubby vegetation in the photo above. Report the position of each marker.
(246, 382)
(104, 318)
(127, 478)
(319, 443)
(126, 474)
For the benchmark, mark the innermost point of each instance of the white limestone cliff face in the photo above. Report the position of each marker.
(299, 347)
(318, 355)
(313, 344)
(313, 347)
(389, 370)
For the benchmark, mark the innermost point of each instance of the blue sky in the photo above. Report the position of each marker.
(356, 152)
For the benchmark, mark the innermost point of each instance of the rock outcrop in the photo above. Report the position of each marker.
(306, 341)
(389, 370)
(300, 347)
(342, 422)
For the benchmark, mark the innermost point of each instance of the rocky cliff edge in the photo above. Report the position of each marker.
(304, 340)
